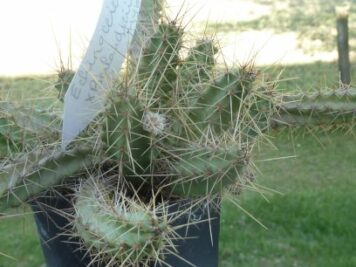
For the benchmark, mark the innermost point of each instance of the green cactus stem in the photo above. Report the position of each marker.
(21, 127)
(259, 109)
(337, 100)
(196, 68)
(150, 13)
(157, 68)
(31, 119)
(336, 108)
(218, 106)
(206, 171)
(124, 136)
(118, 229)
(37, 171)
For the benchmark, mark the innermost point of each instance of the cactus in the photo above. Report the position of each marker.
(203, 171)
(168, 131)
(176, 127)
(124, 134)
(22, 127)
(157, 68)
(335, 109)
(119, 228)
(32, 173)
(197, 67)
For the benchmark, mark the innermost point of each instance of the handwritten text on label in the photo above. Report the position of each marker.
(100, 66)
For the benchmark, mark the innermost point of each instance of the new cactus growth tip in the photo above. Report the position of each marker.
(175, 128)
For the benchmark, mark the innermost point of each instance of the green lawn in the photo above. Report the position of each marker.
(18, 239)
(313, 223)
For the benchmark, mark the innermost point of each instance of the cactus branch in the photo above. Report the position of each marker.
(35, 172)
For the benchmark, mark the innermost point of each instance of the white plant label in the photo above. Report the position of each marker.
(100, 66)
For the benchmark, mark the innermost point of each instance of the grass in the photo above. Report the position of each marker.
(304, 229)
(18, 239)
(35, 92)
(313, 223)
(307, 77)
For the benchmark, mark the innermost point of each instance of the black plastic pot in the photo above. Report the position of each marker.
(200, 249)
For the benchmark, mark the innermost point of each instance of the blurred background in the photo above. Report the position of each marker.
(309, 207)
(35, 33)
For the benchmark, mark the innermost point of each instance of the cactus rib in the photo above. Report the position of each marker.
(29, 176)
(119, 229)
(206, 171)
(323, 109)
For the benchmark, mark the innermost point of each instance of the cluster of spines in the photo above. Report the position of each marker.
(21, 127)
(125, 139)
(205, 170)
(196, 68)
(121, 229)
(34, 172)
(160, 58)
(186, 101)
